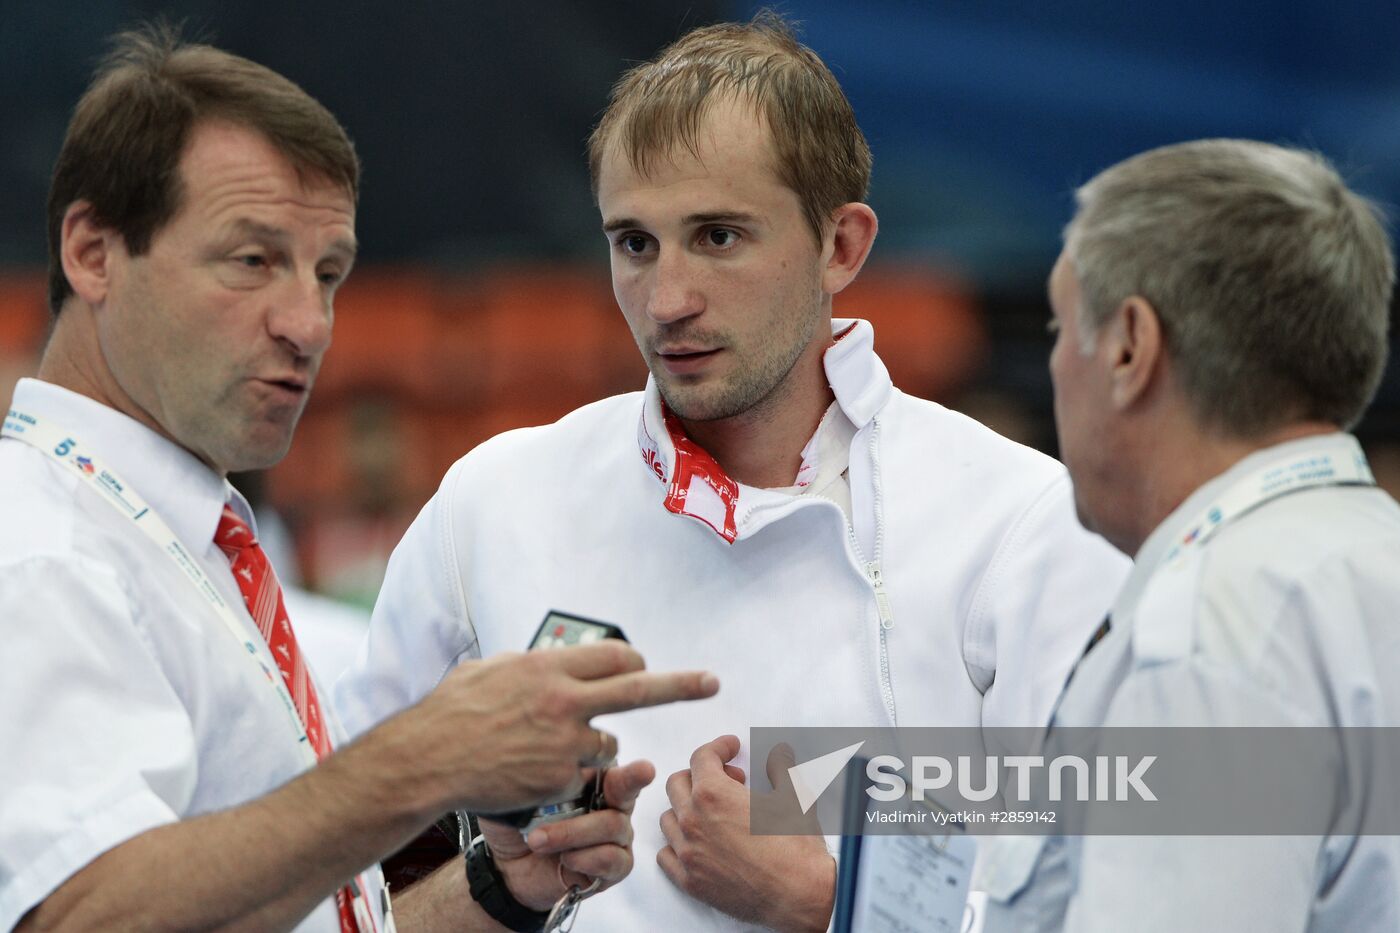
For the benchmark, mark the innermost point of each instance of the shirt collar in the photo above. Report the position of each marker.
(697, 486)
(827, 455)
(185, 492)
(1175, 526)
(858, 378)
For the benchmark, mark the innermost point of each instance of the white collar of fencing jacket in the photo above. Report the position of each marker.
(696, 486)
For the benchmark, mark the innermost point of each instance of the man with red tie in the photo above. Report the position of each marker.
(166, 758)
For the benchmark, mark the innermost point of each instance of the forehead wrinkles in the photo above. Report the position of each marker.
(254, 187)
(224, 164)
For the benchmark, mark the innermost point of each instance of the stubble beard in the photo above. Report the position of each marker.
(750, 386)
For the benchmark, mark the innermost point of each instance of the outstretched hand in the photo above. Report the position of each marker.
(510, 731)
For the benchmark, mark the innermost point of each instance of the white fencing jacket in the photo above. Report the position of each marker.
(960, 593)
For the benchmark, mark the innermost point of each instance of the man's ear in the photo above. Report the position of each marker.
(847, 244)
(1136, 350)
(87, 249)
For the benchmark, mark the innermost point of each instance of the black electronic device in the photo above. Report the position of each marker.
(564, 630)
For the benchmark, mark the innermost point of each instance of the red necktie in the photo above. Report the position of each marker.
(263, 597)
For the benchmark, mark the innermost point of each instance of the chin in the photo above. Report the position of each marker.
(258, 454)
(688, 403)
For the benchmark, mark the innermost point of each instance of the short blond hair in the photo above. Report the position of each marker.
(820, 152)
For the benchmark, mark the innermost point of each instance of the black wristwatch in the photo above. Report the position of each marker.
(488, 886)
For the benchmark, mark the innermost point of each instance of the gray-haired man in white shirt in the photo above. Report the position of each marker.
(1221, 309)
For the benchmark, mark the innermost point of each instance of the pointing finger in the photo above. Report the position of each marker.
(635, 690)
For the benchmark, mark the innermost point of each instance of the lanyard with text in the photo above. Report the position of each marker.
(65, 450)
(1338, 462)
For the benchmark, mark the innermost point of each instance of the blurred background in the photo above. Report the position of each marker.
(482, 301)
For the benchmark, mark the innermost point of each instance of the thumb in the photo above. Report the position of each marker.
(780, 760)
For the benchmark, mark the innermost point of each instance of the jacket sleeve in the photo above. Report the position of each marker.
(1047, 589)
(420, 629)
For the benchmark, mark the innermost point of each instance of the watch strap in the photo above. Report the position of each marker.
(488, 886)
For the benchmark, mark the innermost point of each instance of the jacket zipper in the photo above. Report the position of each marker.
(872, 572)
(875, 576)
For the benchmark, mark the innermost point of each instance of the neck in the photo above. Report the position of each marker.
(1197, 458)
(73, 360)
(762, 447)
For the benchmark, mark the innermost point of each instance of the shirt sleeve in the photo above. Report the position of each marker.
(419, 630)
(1047, 589)
(95, 745)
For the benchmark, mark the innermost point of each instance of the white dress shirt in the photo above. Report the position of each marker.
(126, 702)
(1289, 616)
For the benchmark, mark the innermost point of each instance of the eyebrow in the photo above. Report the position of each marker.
(689, 220)
(719, 217)
(619, 224)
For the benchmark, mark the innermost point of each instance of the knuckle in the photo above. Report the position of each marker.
(504, 662)
(555, 702)
(689, 824)
(533, 664)
(622, 656)
(691, 859)
(705, 797)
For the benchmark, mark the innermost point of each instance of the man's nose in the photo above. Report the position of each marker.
(302, 316)
(675, 294)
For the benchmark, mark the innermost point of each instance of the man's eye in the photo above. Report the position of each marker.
(634, 244)
(251, 260)
(721, 237)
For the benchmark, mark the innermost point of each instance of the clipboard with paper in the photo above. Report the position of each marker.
(906, 883)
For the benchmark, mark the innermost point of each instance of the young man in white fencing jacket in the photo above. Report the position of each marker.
(770, 505)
